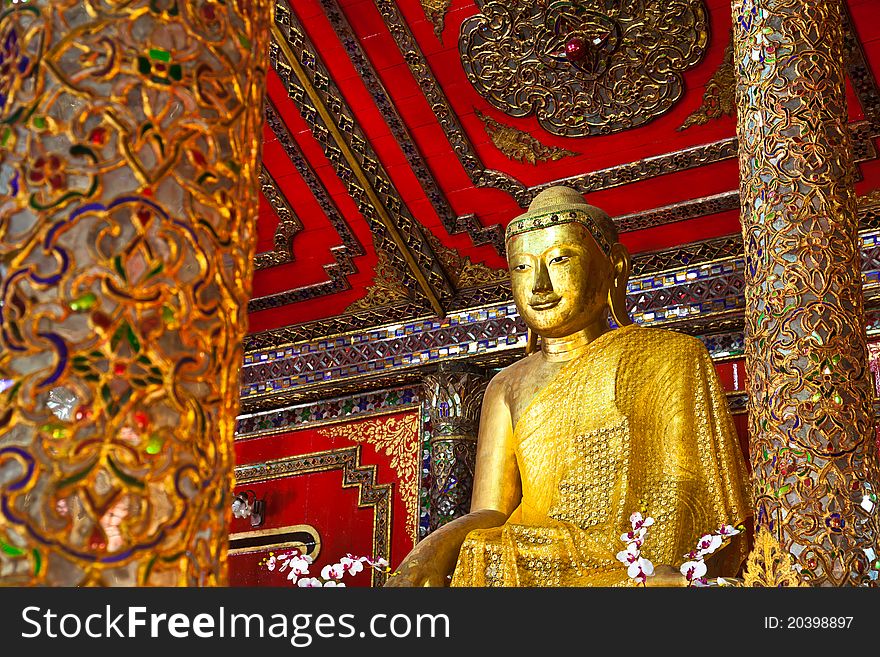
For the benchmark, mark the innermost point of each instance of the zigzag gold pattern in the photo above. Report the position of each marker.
(397, 437)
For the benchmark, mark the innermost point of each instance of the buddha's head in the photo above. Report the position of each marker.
(567, 267)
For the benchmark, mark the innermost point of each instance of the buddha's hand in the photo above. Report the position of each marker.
(432, 561)
(416, 571)
(665, 575)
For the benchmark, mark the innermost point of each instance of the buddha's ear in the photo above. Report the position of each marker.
(531, 342)
(620, 268)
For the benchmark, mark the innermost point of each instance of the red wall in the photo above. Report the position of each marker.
(320, 500)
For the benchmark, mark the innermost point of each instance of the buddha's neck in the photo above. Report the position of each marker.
(559, 350)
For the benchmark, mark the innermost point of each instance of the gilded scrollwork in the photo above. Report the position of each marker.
(397, 438)
(584, 67)
(129, 136)
(770, 566)
(719, 97)
(518, 145)
(811, 420)
(435, 11)
(461, 270)
(387, 288)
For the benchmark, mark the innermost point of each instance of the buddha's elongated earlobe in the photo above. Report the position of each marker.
(531, 342)
(620, 260)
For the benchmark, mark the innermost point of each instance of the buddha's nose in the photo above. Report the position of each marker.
(542, 284)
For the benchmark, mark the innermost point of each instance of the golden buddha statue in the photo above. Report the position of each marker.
(595, 425)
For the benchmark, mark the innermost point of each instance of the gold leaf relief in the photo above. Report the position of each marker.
(518, 145)
(460, 269)
(386, 290)
(398, 438)
(870, 199)
(719, 97)
(435, 11)
(768, 565)
(583, 68)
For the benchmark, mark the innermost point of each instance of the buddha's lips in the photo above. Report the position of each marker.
(545, 305)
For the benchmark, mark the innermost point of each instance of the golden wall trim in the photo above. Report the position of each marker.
(355, 475)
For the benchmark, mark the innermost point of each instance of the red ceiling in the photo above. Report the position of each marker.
(312, 246)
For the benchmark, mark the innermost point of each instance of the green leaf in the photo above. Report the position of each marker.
(126, 478)
(155, 270)
(11, 549)
(76, 477)
(132, 338)
(160, 55)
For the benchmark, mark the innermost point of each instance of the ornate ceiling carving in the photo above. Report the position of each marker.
(288, 225)
(519, 145)
(583, 68)
(435, 11)
(351, 77)
(718, 99)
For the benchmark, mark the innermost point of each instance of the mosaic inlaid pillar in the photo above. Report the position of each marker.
(810, 417)
(129, 138)
(452, 397)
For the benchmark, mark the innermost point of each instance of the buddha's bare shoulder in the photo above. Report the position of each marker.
(516, 371)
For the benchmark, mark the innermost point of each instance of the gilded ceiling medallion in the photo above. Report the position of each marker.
(583, 68)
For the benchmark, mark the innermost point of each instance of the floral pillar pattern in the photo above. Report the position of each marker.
(129, 139)
(452, 397)
(810, 416)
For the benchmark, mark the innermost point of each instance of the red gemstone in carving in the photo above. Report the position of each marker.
(575, 49)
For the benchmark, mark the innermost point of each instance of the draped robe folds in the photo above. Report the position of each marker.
(637, 421)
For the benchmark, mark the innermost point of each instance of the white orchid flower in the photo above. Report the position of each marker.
(298, 564)
(352, 566)
(693, 570)
(333, 571)
(636, 535)
(637, 521)
(334, 583)
(640, 570)
(640, 567)
(630, 554)
(627, 557)
(708, 543)
(310, 583)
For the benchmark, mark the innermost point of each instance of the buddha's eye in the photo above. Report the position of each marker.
(558, 259)
(522, 266)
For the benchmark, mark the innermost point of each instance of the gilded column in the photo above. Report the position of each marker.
(810, 417)
(129, 138)
(452, 398)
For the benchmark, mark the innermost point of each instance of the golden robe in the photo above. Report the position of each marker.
(638, 419)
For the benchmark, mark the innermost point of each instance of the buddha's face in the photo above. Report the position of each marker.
(560, 279)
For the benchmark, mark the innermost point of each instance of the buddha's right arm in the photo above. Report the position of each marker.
(432, 561)
(497, 492)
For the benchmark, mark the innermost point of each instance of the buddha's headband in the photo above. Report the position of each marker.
(527, 222)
